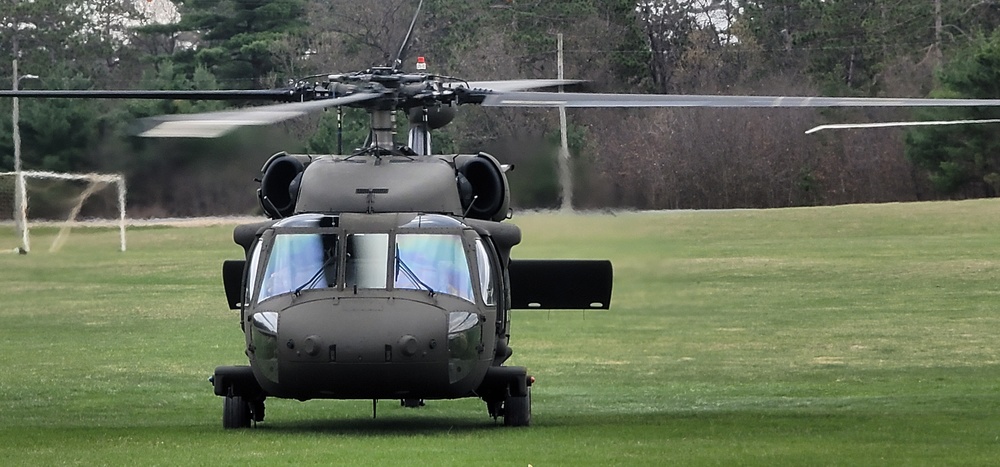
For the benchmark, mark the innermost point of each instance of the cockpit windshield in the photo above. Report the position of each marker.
(432, 261)
(300, 261)
(311, 254)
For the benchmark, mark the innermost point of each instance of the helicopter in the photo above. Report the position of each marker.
(386, 273)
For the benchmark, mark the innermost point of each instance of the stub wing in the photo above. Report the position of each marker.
(560, 284)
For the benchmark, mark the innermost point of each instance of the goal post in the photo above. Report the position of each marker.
(59, 199)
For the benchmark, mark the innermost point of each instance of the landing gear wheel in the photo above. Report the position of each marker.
(517, 410)
(235, 412)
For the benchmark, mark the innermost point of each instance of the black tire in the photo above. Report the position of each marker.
(235, 412)
(517, 410)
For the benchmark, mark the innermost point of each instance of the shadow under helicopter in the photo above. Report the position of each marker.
(387, 425)
(687, 421)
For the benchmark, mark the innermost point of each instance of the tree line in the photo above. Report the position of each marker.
(621, 158)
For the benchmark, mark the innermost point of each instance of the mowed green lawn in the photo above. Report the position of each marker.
(851, 335)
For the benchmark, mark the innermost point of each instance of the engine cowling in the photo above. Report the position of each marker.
(483, 187)
(279, 184)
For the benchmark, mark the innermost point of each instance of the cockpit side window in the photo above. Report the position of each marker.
(252, 272)
(432, 262)
(487, 284)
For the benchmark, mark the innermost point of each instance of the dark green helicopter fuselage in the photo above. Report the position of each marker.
(388, 278)
(373, 306)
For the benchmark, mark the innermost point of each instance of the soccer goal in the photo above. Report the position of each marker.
(61, 200)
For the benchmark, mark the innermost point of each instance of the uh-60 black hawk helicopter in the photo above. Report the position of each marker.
(387, 273)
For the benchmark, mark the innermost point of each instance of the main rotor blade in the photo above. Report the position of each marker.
(214, 124)
(571, 99)
(519, 84)
(229, 94)
(848, 126)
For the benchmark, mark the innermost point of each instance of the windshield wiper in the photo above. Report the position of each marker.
(412, 276)
(315, 277)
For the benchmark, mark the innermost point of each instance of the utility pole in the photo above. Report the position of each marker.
(565, 173)
(937, 24)
(934, 52)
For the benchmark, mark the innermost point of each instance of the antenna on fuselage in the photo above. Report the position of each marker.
(406, 40)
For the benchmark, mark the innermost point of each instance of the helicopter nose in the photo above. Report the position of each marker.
(391, 346)
(351, 336)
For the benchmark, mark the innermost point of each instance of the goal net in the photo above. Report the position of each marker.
(58, 202)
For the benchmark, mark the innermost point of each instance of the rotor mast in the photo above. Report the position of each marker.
(383, 132)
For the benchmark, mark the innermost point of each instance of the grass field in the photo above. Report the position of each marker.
(851, 335)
